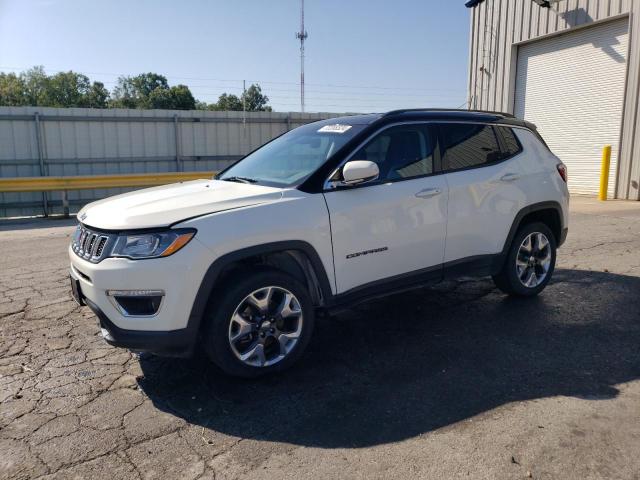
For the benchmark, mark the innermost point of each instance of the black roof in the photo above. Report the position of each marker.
(444, 113)
(429, 114)
(439, 114)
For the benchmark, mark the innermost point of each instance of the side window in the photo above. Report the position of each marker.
(468, 145)
(401, 152)
(511, 145)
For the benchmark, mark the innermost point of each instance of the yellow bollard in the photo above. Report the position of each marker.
(604, 172)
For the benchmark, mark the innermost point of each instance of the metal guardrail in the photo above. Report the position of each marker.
(88, 182)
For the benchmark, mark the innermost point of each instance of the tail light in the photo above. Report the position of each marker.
(562, 170)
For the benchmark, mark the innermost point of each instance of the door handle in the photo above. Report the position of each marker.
(509, 177)
(428, 193)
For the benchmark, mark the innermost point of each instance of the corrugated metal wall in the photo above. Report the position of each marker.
(82, 141)
(498, 27)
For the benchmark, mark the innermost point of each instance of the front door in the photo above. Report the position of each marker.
(396, 225)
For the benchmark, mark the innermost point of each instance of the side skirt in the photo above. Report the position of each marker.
(478, 266)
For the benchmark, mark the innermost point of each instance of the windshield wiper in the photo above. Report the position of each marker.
(240, 179)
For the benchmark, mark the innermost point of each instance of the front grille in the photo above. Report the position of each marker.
(90, 245)
(100, 247)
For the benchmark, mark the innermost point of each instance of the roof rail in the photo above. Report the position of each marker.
(408, 110)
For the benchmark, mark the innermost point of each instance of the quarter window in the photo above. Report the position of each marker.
(468, 145)
(401, 152)
(511, 145)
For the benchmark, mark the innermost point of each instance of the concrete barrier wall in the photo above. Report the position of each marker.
(38, 141)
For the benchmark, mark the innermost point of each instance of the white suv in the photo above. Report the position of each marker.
(324, 216)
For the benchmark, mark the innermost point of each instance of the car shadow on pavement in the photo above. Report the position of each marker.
(416, 362)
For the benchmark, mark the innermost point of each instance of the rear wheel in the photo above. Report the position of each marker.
(260, 325)
(530, 261)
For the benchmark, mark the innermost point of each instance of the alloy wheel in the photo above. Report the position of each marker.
(265, 326)
(533, 259)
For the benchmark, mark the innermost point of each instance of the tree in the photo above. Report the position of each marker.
(97, 97)
(36, 84)
(227, 102)
(150, 90)
(65, 89)
(182, 98)
(175, 98)
(134, 92)
(145, 83)
(71, 89)
(147, 90)
(254, 100)
(160, 98)
(124, 94)
(12, 89)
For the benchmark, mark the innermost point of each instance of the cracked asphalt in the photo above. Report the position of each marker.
(455, 381)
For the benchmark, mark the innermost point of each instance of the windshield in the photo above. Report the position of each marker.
(292, 157)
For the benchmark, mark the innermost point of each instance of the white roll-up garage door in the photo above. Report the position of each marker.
(572, 87)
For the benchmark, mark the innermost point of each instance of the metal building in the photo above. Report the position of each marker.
(572, 67)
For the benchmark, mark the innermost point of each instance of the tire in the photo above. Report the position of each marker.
(234, 311)
(515, 277)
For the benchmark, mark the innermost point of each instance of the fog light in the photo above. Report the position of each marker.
(106, 334)
(136, 303)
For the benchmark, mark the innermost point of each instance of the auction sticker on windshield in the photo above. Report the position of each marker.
(337, 128)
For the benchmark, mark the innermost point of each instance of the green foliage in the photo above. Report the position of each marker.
(136, 92)
(147, 90)
(97, 96)
(227, 102)
(182, 98)
(254, 99)
(150, 90)
(174, 98)
(36, 83)
(70, 89)
(12, 89)
(64, 89)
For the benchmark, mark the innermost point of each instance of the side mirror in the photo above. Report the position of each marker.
(359, 171)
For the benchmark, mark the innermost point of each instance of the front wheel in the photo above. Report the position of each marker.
(260, 325)
(530, 261)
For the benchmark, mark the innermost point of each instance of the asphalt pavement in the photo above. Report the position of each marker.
(455, 381)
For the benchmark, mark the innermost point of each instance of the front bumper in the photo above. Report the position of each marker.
(179, 276)
(174, 343)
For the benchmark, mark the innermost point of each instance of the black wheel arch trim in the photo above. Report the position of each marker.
(217, 267)
(517, 221)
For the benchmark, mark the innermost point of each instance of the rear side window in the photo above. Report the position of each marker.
(511, 145)
(468, 145)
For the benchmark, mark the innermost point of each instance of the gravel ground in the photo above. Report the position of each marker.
(453, 381)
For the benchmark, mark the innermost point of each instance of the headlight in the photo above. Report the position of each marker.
(151, 245)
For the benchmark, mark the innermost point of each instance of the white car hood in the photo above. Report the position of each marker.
(168, 204)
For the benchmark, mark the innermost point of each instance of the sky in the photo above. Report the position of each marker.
(361, 55)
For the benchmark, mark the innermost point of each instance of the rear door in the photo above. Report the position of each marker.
(395, 226)
(485, 184)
